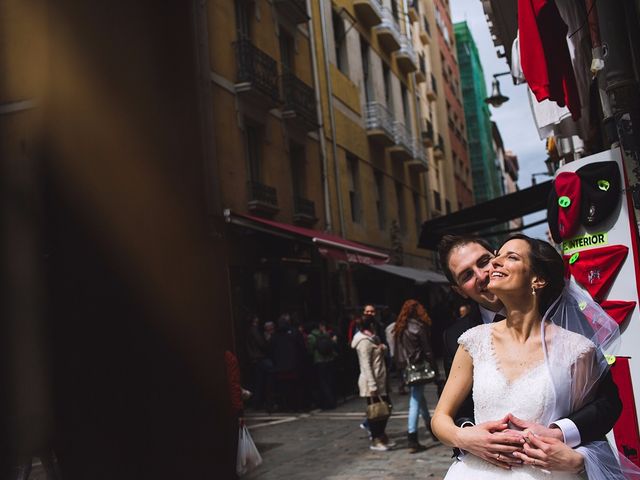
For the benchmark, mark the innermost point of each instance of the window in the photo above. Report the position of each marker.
(364, 54)
(339, 39)
(243, 19)
(437, 201)
(287, 52)
(447, 206)
(406, 108)
(354, 188)
(253, 137)
(417, 209)
(297, 158)
(394, 10)
(402, 220)
(380, 207)
(388, 97)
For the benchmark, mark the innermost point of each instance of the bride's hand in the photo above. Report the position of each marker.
(487, 441)
(536, 428)
(550, 454)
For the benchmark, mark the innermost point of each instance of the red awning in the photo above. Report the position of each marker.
(330, 246)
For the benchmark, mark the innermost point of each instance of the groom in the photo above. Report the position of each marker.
(466, 262)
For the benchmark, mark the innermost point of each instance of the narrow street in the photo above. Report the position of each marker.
(330, 445)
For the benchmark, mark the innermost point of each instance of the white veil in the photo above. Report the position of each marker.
(575, 311)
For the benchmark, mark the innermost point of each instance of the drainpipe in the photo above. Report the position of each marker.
(320, 119)
(332, 120)
(621, 86)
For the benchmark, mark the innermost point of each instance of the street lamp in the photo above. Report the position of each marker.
(496, 99)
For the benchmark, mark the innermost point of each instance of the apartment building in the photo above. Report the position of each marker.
(450, 111)
(486, 168)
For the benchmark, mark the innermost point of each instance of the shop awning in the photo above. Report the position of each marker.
(330, 246)
(419, 276)
(485, 215)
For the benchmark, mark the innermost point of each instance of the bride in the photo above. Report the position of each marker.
(532, 365)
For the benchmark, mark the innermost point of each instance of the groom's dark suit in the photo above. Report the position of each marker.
(593, 420)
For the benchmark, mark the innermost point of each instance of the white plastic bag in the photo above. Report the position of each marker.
(248, 455)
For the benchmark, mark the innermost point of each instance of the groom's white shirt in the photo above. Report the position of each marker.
(567, 427)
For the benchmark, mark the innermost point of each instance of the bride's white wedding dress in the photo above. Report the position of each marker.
(530, 397)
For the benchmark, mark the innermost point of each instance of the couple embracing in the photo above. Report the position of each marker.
(542, 395)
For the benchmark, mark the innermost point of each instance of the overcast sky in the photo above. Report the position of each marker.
(514, 118)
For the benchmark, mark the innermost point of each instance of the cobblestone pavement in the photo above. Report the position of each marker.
(330, 445)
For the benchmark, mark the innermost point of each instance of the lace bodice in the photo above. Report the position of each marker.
(530, 396)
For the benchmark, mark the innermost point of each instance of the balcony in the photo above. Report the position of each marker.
(388, 32)
(425, 31)
(304, 211)
(368, 11)
(257, 74)
(418, 163)
(403, 148)
(406, 57)
(293, 10)
(414, 10)
(380, 124)
(263, 199)
(299, 102)
(426, 132)
(432, 89)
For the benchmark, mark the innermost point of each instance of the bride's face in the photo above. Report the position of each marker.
(511, 268)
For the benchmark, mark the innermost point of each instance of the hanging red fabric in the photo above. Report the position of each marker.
(596, 269)
(544, 54)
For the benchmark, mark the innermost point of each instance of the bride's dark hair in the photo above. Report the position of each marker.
(546, 263)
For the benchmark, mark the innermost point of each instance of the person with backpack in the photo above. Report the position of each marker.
(323, 350)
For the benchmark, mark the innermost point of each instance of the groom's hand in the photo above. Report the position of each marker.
(550, 454)
(490, 442)
(536, 428)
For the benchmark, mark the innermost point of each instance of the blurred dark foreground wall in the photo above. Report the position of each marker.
(115, 307)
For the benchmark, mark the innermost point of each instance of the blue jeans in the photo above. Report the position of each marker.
(417, 404)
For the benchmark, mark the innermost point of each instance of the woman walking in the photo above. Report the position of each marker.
(372, 381)
(411, 333)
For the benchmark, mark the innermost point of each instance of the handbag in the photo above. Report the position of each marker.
(248, 456)
(379, 410)
(418, 373)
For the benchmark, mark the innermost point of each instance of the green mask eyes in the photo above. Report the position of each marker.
(574, 258)
(604, 185)
(564, 201)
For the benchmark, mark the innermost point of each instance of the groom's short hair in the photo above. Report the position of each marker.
(448, 243)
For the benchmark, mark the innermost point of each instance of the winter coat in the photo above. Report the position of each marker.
(316, 356)
(373, 370)
(413, 344)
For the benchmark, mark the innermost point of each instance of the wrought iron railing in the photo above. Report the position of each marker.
(257, 68)
(402, 136)
(427, 130)
(407, 49)
(378, 117)
(302, 206)
(259, 192)
(299, 98)
(419, 153)
(389, 22)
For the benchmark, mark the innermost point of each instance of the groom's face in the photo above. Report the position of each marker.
(470, 265)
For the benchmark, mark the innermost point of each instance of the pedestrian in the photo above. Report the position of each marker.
(413, 346)
(323, 350)
(235, 396)
(372, 382)
(261, 365)
(287, 350)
